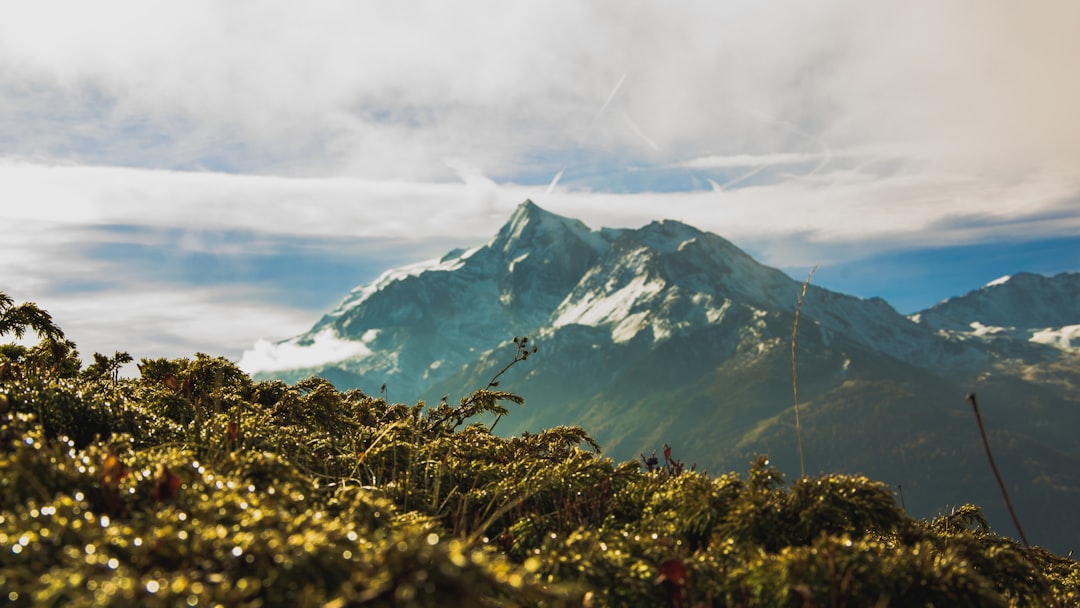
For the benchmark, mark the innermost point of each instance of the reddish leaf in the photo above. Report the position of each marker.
(667, 452)
(113, 470)
(233, 431)
(171, 382)
(189, 387)
(166, 483)
(673, 578)
(672, 571)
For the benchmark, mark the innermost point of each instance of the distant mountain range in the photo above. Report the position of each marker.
(667, 334)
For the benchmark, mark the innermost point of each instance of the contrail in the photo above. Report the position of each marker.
(826, 152)
(554, 181)
(744, 176)
(607, 102)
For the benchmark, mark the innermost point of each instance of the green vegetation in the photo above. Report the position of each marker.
(195, 485)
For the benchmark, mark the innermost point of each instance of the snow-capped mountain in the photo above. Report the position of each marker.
(415, 326)
(1026, 307)
(542, 273)
(668, 334)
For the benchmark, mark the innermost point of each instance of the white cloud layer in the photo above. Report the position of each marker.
(840, 128)
(846, 206)
(391, 89)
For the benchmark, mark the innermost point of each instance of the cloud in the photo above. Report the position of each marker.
(831, 131)
(362, 208)
(851, 203)
(748, 160)
(850, 212)
(160, 320)
(325, 347)
(388, 91)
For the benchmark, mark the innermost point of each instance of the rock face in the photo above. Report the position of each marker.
(667, 334)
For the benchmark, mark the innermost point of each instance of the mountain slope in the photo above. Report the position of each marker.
(667, 334)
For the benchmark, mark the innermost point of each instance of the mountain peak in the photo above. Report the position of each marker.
(531, 225)
(1023, 301)
(667, 235)
(529, 212)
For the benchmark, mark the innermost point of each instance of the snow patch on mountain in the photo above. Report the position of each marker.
(980, 330)
(324, 347)
(713, 314)
(517, 260)
(614, 307)
(629, 327)
(686, 243)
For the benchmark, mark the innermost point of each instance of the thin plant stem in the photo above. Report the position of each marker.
(521, 354)
(795, 371)
(495, 382)
(993, 466)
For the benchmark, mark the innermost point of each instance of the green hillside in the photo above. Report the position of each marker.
(195, 485)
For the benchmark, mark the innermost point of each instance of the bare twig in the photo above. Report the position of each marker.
(522, 353)
(990, 457)
(794, 369)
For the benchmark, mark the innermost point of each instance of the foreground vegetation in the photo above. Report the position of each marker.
(194, 485)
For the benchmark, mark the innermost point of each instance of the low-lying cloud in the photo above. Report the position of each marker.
(325, 347)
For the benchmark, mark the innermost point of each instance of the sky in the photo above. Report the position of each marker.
(181, 177)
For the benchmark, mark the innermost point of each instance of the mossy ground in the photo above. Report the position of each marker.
(194, 485)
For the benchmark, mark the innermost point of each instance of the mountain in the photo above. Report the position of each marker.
(668, 334)
(1025, 308)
